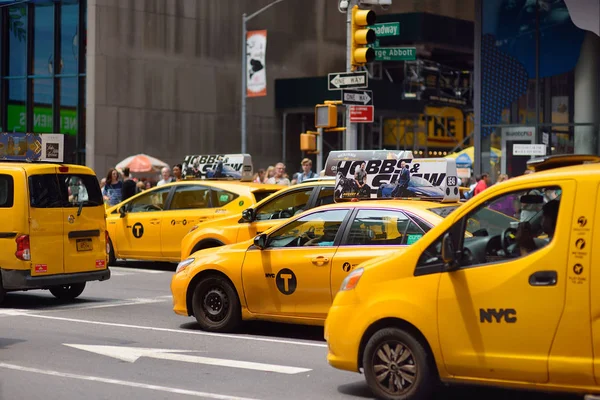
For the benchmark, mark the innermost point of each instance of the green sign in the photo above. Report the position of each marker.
(395, 53)
(42, 120)
(386, 29)
(412, 239)
(374, 44)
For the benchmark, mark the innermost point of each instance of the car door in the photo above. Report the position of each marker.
(593, 274)
(498, 313)
(191, 204)
(273, 212)
(138, 232)
(372, 233)
(46, 222)
(84, 237)
(290, 276)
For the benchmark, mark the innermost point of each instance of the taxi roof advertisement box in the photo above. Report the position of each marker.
(382, 174)
(218, 166)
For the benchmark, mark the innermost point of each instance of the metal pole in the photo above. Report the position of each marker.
(283, 138)
(351, 139)
(243, 94)
(477, 88)
(319, 150)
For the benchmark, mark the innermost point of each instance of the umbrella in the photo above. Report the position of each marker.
(141, 163)
(464, 158)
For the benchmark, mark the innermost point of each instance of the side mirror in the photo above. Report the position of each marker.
(248, 215)
(448, 252)
(260, 241)
(122, 211)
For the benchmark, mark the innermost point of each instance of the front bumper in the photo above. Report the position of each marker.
(343, 337)
(22, 279)
(179, 285)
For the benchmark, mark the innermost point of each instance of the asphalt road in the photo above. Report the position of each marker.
(121, 340)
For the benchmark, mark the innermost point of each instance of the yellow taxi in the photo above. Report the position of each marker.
(53, 227)
(292, 271)
(514, 304)
(151, 224)
(256, 219)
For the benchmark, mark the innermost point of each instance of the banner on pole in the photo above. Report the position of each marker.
(256, 74)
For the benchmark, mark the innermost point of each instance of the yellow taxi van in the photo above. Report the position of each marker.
(53, 232)
(515, 304)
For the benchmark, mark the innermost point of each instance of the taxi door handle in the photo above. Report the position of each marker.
(320, 260)
(543, 278)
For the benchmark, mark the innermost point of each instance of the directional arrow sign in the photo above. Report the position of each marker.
(347, 80)
(131, 354)
(357, 97)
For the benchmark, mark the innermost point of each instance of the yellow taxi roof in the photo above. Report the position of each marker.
(232, 185)
(33, 167)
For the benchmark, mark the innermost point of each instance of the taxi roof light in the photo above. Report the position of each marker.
(236, 167)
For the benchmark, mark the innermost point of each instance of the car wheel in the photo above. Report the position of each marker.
(67, 292)
(112, 260)
(2, 291)
(216, 305)
(398, 367)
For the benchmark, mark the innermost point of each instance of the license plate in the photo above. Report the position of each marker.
(84, 244)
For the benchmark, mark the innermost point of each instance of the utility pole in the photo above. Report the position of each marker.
(351, 137)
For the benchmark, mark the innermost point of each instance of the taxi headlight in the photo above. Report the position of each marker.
(184, 264)
(352, 279)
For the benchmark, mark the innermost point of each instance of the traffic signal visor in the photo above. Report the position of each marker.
(325, 116)
(362, 35)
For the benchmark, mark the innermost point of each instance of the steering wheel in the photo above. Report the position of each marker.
(507, 240)
(152, 207)
(310, 232)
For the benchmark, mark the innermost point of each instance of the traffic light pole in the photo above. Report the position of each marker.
(319, 150)
(351, 137)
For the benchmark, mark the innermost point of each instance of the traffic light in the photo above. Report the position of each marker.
(325, 116)
(362, 35)
(308, 141)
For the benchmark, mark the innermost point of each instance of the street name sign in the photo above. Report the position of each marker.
(361, 114)
(386, 29)
(357, 97)
(395, 53)
(529, 149)
(347, 80)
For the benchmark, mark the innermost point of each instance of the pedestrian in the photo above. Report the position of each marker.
(279, 178)
(177, 168)
(112, 191)
(269, 173)
(166, 176)
(259, 176)
(306, 172)
(129, 185)
(482, 184)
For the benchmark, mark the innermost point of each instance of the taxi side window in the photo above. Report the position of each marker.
(7, 188)
(44, 191)
(325, 196)
(382, 227)
(56, 191)
(285, 206)
(316, 229)
(82, 189)
(221, 198)
(154, 200)
(190, 197)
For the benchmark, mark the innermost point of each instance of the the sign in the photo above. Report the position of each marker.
(218, 166)
(31, 147)
(362, 114)
(347, 80)
(256, 75)
(395, 53)
(386, 29)
(53, 147)
(545, 138)
(336, 156)
(433, 178)
(529, 150)
(374, 44)
(357, 97)
(42, 119)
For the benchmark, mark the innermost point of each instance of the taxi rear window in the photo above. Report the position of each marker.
(263, 194)
(68, 190)
(6, 191)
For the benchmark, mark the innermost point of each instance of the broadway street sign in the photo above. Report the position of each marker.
(357, 97)
(386, 29)
(347, 80)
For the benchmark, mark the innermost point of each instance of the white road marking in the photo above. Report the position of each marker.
(139, 385)
(143, 271)
(132, 354)
(107, 304)
(186, 332)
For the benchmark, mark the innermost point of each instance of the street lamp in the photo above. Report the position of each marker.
(245, 19)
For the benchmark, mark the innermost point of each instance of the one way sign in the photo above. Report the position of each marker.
(357, 97)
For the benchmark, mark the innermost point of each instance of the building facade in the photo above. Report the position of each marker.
(537, 80)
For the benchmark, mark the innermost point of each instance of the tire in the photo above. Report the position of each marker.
(67, 292)
(2, 291)
(216, 305)
(112, 260)
(418, 365)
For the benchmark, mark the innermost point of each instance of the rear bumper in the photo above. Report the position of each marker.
(22, 279)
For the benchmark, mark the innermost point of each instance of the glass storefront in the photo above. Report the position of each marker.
(42, 70)
(537, 83)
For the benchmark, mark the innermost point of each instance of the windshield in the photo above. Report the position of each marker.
(495, 222)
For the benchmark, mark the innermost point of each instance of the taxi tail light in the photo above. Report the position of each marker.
(352, 279)
(23, 249)
(107, 240)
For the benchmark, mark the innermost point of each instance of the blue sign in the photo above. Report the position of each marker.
(18, 146)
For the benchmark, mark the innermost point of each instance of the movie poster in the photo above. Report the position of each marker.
(218, 166)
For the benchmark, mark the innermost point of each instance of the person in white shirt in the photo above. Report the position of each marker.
(279, 178)
(166, 176)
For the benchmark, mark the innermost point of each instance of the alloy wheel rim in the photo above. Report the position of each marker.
(394, 367)
(215, 304)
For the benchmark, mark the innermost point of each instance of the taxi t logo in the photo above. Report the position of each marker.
(286, 281)
(509, 315)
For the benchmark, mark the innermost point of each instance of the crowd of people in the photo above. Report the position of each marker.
(277, 174)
